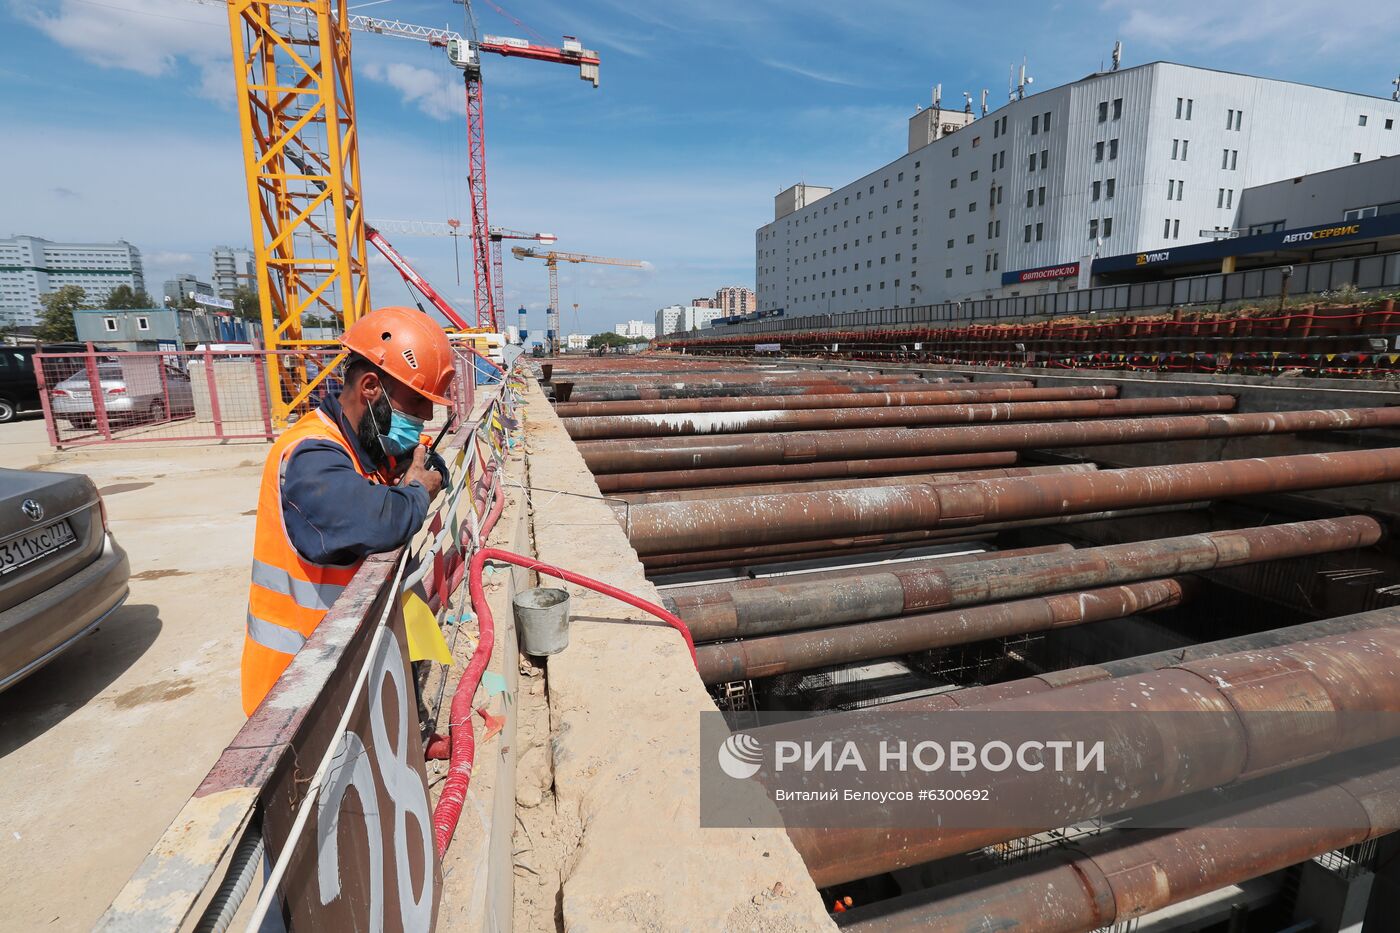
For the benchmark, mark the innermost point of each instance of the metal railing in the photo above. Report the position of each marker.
(1365, 273)
(103, 396)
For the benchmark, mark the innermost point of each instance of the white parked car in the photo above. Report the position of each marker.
(132, 391)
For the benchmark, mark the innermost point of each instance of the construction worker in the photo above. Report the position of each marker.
(350, 479)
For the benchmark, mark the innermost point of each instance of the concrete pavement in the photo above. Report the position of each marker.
(99, 749)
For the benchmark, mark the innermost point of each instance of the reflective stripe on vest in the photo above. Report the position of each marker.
(306, 594)
(271, 635)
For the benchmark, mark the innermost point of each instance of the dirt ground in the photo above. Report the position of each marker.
(100, 748)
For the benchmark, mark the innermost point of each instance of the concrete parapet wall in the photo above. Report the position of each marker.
(625, 704)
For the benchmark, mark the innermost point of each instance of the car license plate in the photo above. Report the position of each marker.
(31, 546)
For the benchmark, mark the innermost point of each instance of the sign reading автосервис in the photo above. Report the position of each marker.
(1285, 240)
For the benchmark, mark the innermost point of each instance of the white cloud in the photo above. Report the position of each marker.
(430, 91)
(815, 75)
(1272, 29)
(166, 257)
(149, 37)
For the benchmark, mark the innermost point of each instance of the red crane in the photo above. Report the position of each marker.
(374, 233)
(465, 53)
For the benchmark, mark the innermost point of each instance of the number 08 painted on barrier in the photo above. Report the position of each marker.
(402, 786)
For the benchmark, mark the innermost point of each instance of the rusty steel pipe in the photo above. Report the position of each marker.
(689, 453)
(802, 550)
(675, 406)
(773, 519)
(690, 594)
(899, 591)
(1155, 760)
(1127, 667)
(1126, 873)
(864, 482)
(827, 419)
(801, 651)
(741, 378)
(743, 565)
(797, 472)
(619, 393)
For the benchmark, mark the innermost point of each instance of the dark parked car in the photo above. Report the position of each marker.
(61, 571)
(19, 389)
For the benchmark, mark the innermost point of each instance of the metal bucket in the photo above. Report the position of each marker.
(542, 620)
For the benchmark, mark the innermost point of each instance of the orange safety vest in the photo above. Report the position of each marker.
(288, 595)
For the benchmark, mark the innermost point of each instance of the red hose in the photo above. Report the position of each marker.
(459, 773)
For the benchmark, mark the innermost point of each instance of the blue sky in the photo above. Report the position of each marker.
(118, 118)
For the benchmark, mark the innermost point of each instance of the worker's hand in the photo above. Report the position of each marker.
(419, 472)
(437, 464)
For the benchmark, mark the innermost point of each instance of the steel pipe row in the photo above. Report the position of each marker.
(741, 613)
(802, 550)
(679, 597)
(619, 393)
(750, 377)
(751, 658)
(749, 422)
(1128, 667)
(662, 528)
(1154, 759)
(864, 482)
(1127, 873)
(933, 396)
(799, 472)
(689, 453)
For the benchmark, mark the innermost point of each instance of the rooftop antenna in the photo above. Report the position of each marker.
(1011, 83)
(938, 97)
(967, 106)
(1024, 82)
(984, 102)
(1396, 95)
(1117, 54)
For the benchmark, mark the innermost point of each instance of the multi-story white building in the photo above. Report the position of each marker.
(679, 318)
(32, 266)
(635, 329)
(1018, 201)
(232, 267)
(577, 341)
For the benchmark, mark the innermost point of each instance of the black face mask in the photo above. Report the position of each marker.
(379, 412)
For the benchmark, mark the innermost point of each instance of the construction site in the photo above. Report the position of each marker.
(1053, 613)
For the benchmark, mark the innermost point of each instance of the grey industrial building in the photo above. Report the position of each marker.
(185, 286)
(1024, 199)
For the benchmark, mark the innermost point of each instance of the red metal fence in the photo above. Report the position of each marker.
(135, 397)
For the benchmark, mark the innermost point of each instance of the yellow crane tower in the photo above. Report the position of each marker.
(552, 258)
(296, 109)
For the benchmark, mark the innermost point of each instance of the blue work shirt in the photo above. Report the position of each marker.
(332, 513)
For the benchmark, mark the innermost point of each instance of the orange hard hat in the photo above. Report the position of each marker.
(409, 346)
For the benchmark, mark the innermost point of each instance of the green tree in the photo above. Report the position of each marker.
(246, 304)
(56, 320)
(126, 298)
(607, 339)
